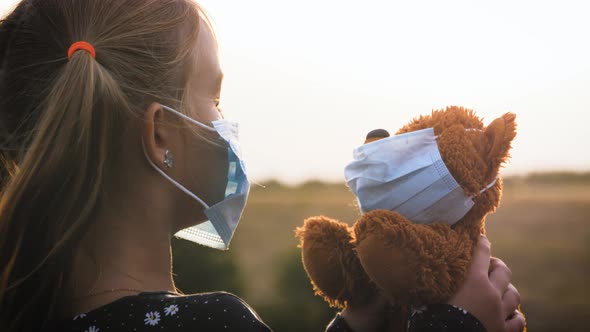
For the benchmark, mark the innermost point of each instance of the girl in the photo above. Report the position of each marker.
(112, 141)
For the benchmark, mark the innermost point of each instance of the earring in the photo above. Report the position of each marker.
(168, 160)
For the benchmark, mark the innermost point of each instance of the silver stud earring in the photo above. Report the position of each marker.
(168, 160)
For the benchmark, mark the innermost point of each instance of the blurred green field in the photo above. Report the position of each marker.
(541, 231)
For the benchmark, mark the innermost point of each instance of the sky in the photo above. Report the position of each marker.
(308, 79)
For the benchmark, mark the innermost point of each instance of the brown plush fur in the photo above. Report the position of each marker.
(413, 263)
(332, 265)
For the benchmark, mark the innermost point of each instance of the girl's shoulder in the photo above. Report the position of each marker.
(218, 311)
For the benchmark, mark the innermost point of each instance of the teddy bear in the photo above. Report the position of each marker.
(415, 237)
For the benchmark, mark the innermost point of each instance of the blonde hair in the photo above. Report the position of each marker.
(60, 124)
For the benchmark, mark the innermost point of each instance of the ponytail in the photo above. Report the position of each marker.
(60, 123)
(51, 197)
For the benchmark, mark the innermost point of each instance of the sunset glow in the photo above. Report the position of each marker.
(308, 79)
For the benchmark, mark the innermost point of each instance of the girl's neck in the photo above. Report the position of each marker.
(120, 256)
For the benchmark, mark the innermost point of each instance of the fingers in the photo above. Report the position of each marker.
(510, 301)
(500, 275)
(516, 323)
(481, 256)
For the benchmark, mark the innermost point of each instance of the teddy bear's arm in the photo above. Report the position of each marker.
(413, 263)
(331, 263)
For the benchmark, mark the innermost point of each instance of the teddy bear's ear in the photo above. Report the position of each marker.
(500, 134)
(376, 135)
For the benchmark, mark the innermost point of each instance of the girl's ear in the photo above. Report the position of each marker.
(155, 138)
(500, 134)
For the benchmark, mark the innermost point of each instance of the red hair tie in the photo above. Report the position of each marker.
(81, 46)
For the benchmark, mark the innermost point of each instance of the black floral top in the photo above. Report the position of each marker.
(220, 311)
(163, 311)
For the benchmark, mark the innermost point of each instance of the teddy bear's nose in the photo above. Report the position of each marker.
(376, 135)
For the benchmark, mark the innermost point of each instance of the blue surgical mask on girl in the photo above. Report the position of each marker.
(224, 216)
(405, 173)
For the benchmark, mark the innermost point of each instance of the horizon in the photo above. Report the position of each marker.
(563, 177)
(308, 80)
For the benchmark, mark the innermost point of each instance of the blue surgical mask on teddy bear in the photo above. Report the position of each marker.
(405, 173)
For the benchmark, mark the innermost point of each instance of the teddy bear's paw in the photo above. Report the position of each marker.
(330, 261)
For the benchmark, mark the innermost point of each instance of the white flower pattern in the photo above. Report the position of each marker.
(92, 329)
(171, 310)
(164, 312)
(152, 318)
(418, 310)
(79, 316)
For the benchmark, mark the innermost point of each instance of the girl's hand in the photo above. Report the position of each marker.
(488, 294)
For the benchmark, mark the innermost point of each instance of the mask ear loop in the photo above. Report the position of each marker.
(188, 118)
(202, 126)
(489, 186)
(257, 183)
(178, 185)
(466, 129)
(181, 187)
(495, 180)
